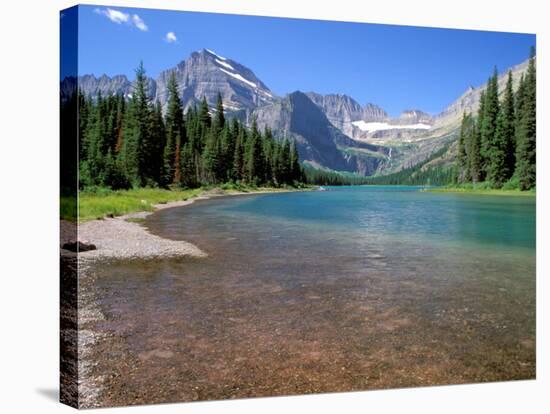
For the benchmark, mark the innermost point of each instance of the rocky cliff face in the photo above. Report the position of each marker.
(412, 117)
(370, 123)
(206, 74)
(373, 113)
(105, 85)
(342, 111)
(117, 85)
(319, 142)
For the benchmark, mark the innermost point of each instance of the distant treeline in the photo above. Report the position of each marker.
(125, 144)
(416, 175)
(324, 177)
(499, 145)
(420, 174)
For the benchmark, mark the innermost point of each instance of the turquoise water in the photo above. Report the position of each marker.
(405, 211)
(347, 289)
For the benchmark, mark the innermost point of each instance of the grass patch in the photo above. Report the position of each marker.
(483, 188)
(363, 152)
(101, 203)
(67, 208)
(98, 203)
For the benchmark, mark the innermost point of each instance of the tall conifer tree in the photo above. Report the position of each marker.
(527, 130)
(508, 127)
(175, 132)
(489, 121)
(295, 170)
(462, 156)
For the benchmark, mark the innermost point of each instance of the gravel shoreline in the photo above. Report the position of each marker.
(118, 238)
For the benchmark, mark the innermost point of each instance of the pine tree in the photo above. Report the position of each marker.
(519, 101)
(121, 109)
(254, 157)
(508, 127)
(157, 134)
(284, 163)
(229, 143)
(276, 164)
(175, 132)
(137, 143)
(188, 177)
(128, 148)
(110, 127)
(295, 169)
(527, 130)
(143, 143)
(113, 175)
(477, 157)
(211, 158)
(489, 121)
(95, 136)
(223, 142)
(497, 170)
(474, 154)
(238, 157)
(204, 114)
(219, 119)
(69, 145)
(195, 136)
(462, 157)
(84, 107)
(268, 146)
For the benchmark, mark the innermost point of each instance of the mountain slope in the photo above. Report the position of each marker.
(319, 142)
(469, 101)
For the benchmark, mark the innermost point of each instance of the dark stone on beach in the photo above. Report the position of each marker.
(81, 246)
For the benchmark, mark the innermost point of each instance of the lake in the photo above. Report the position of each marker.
(353, 288)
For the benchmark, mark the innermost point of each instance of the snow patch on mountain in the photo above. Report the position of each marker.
(239, 77)
(227, 65)
(215, 54)
(383, 126)
(230, 107)
(266, 93)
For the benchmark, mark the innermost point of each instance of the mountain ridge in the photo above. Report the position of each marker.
(356, 138)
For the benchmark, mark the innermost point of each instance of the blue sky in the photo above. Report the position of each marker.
(396, 67)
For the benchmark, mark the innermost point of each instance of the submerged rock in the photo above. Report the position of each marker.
(78, 246)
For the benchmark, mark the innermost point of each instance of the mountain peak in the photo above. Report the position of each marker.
(207, 73)
(413, 116)
(210, 52)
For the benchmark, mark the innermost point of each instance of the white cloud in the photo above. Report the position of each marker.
(171, 37)
(118, 17)
(140, 24)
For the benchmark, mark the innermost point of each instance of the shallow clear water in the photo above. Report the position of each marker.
(347, 289)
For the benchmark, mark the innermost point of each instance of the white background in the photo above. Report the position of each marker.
(29, 161)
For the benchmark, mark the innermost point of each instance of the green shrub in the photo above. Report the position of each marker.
(511, 184)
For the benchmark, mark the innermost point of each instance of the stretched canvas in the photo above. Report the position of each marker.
(257, 206)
